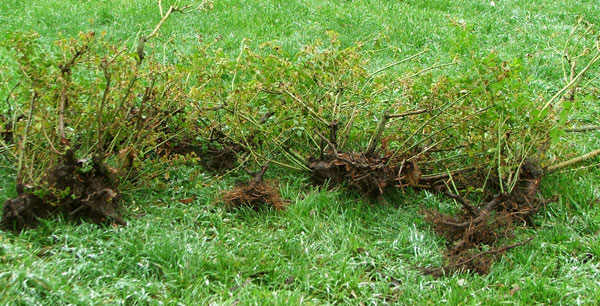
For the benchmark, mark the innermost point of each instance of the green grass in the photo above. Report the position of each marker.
(200, 253)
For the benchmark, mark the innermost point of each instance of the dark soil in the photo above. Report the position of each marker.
(79, 194)
(24, 210)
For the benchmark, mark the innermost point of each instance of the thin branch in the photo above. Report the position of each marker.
(573, 161)
(331, 145)
(10, 108)
(409, 113)
(34, 96)
(573, 82)
(310, 110)
(398, 62)
(586, 128)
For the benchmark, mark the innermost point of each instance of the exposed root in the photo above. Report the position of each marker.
(475, 228)
(369, 175)
(479, 262)
(365, 172)
(79, 194)
(255, 194)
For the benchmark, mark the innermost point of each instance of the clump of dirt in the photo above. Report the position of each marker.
(78, 193)
(24, 211)
(484, 226)
(255, 193)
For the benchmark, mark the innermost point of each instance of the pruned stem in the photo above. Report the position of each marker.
(572, 161)
(375, 138)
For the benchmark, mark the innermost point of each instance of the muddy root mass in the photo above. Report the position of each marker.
(368, 174)
(78, 194)
(484, 226)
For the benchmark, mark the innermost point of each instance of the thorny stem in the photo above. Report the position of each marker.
(398, 62)
(573, 81)
(584, 128)
(34, 96)
(100, 128)
(65, 76)
(408, 113)
(375, 138)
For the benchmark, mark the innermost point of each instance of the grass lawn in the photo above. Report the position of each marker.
(328, 246)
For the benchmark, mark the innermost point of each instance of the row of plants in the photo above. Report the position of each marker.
(88, 119)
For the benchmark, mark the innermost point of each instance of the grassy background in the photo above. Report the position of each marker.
(327, 247)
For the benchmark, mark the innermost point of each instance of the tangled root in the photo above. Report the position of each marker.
(486, 225)
(367, 174)
(79, 194)
(255, 194)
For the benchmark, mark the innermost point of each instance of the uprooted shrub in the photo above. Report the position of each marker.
(90, 96)
(469, 124)
(486, 225)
